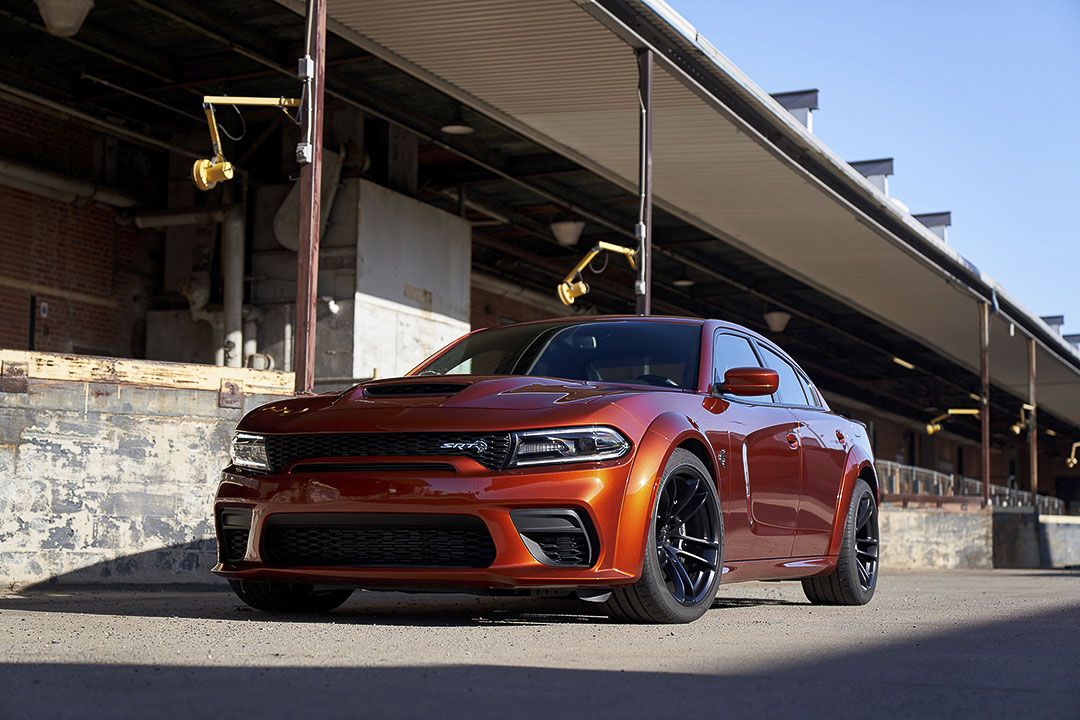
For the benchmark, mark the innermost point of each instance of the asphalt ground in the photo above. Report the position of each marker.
(946, 644)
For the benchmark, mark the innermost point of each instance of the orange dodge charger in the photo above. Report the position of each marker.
(638, 462)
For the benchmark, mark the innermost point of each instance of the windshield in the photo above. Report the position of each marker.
(624, 351)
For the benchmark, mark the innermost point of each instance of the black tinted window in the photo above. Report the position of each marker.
(790, 391)
(731, 351)
(642, 353)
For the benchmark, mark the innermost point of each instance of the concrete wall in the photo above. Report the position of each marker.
(413, 271)
(936, 538)
(1059, 537)
(398, 271)
(112, 481)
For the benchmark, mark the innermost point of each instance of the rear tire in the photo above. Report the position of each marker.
(288, 598)
(684, 552)
(855, 578)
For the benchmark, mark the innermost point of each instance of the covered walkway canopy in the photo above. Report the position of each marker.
(729, 160)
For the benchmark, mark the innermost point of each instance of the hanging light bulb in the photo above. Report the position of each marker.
(457, 124)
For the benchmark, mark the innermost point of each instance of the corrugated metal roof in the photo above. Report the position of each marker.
(554, 71)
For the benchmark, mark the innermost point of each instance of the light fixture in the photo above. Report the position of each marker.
(903, 363)
(457, 124)
(934, 426)
(683, 280)
(567, 232)
(63, 18)
(1071, 461)
(1018, 427)
(1051, 432)
(573, 286)
(777, 320)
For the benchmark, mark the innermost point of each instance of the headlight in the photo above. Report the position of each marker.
(584, 444)
(249, 451)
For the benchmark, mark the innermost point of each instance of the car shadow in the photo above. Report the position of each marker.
(1021, 666)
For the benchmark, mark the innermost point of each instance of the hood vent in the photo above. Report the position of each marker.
(413, 389)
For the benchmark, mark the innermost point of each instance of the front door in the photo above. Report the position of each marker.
(762, 445)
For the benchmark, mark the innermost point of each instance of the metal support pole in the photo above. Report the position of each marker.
(984, 395)
(1033, 428)
(643, 231)
(232, 273)
(307, 277)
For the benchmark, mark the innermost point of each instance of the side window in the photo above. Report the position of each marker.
(790, 391)
(808, 390)
(731, 351)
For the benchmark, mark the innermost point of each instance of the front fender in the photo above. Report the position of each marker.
(659, 441)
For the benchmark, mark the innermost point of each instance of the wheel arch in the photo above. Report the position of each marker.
(859, 466)
(666, 434)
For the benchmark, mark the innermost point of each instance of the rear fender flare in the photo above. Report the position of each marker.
(858, 460)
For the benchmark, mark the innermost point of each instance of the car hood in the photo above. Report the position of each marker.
(438, 403)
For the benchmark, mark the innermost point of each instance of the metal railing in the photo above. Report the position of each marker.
(907, 480)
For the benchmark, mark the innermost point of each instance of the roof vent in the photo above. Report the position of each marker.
(1056, 322)
(876, 171)
(937, 222)
(1074, 340)
(801, 104)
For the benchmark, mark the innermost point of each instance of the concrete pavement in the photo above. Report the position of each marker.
(956, 644)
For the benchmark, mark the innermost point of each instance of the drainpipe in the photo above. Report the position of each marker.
(178, 218)
(232, 273)
(57, 186)
(252, 317)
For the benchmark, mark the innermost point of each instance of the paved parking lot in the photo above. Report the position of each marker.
(991, 644)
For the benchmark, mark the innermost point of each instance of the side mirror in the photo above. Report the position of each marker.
(749, 381)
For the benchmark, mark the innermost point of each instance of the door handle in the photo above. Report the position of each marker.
(793, 441)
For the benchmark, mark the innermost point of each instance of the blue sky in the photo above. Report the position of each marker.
(979, 102)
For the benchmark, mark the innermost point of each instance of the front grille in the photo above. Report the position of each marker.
(400, 389)
(489, 449)
(368, 540)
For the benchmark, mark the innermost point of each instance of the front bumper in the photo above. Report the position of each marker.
(596, 491)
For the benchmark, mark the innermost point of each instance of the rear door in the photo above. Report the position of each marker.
(824, 456)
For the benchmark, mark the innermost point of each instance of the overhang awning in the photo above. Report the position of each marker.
(562, 72)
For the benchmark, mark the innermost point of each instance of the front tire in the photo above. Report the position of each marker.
(684, 553)
(855, 578)
(289, 598)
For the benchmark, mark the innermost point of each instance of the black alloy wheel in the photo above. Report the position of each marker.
(684, 556)
(854, 579)
(866, 541)
(687, 536)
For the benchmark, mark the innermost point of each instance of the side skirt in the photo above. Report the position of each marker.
(777, 569)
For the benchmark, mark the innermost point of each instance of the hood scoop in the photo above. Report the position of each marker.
(414, 389)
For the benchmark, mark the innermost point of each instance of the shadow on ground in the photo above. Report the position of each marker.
(1024, 667)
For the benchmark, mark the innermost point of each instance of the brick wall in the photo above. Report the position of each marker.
(92, 276)
(490, 310)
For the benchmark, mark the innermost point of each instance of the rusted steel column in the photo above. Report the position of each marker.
(984, 395)
(307, 278)
(643, 231)
(1033, 429)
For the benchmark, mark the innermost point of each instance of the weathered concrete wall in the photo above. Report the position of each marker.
(936, 538)
(111, 482)
(1059, 537)
(1016, 539)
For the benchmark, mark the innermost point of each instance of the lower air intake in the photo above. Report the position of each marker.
(562, 537)
(377, 540)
